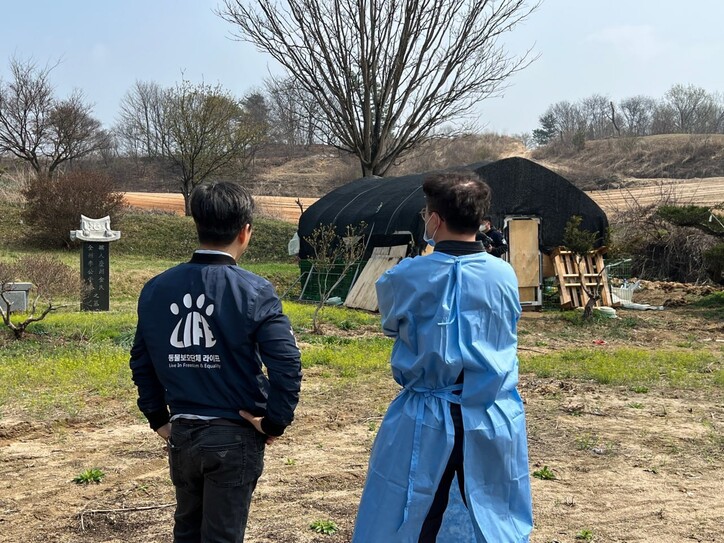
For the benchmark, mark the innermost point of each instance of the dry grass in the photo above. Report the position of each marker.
(11, 185)
(606, 163)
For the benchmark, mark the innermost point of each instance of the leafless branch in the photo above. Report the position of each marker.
(386, 73)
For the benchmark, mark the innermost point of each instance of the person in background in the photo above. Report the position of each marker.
(492, 238)
(453, 315)
(205, 328)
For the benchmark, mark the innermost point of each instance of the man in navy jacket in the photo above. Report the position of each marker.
(492, 238)
(205, 328)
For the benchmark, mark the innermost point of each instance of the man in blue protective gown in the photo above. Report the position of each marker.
(457, 428)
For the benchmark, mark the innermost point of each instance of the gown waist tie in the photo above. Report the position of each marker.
(450, 394)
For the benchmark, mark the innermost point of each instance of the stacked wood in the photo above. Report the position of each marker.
(574, 272)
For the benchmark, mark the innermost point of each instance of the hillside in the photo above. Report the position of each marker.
(646, 163)
(622, 163)
(619, 162)
(279, 170)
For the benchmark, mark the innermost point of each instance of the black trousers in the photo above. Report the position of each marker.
(433, 521)
(214, 469)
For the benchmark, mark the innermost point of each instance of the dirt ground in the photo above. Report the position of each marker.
(629, 466)
(282, 208)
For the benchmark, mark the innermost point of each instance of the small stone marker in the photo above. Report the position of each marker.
(17, 295)
(95, 235)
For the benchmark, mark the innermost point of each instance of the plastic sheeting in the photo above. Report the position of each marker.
(389, 206)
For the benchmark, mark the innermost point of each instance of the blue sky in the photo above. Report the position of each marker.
(614, 47)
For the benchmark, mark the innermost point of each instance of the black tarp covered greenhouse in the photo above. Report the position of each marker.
(389, 206)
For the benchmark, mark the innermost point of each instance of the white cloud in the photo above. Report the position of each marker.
(638, 42)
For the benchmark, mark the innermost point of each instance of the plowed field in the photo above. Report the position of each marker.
(709, 191)
(286, 209)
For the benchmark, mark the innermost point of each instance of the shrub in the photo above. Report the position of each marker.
(51, 280)
(714, 263)
(54, 205)
(667, 242)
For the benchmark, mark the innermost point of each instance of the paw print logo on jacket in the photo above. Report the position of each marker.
(193, 328)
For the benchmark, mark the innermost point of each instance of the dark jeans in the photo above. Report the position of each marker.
(433, 521)
(215, 470)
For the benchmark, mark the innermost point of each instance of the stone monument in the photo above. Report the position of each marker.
(95, 236)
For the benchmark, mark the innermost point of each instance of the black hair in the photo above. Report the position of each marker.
(461, 199)
(220, 209)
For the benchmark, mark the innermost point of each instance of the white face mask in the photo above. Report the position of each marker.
(429, 240)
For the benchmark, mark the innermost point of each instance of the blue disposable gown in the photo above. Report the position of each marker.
(450, 314)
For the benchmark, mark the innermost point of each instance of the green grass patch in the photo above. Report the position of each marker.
(128, 273)
(349, 357)
(174, 237)
(713, 305)
(71, 357)
(599, 325)
(343, 318)
(157, 235)
(59, 378)
(633, 367)
(118, 327)
(712, 300)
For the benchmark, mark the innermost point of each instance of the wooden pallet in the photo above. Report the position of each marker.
(363, 294)
(572, 275)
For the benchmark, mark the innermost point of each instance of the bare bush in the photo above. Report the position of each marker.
(52, 281)
(660, 250)
(334, 258)
(11, 185)
(54, 206)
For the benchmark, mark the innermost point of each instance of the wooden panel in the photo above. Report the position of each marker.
(397, 250)
(547, 265)
(528, 294)
(524, 255)
(363, 295)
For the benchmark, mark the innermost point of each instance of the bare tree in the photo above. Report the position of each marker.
(41, 130)
(686, 102)
(613, 119)
(294, 113)
(596, 111)
(207, 135)
(200, 131)
(140, 120)
(386, 73)
(568, 120)
(637, 112)
(74, 132)
(663, 119)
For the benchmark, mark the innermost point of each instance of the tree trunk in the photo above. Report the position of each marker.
(367, 170)
(187, 203)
